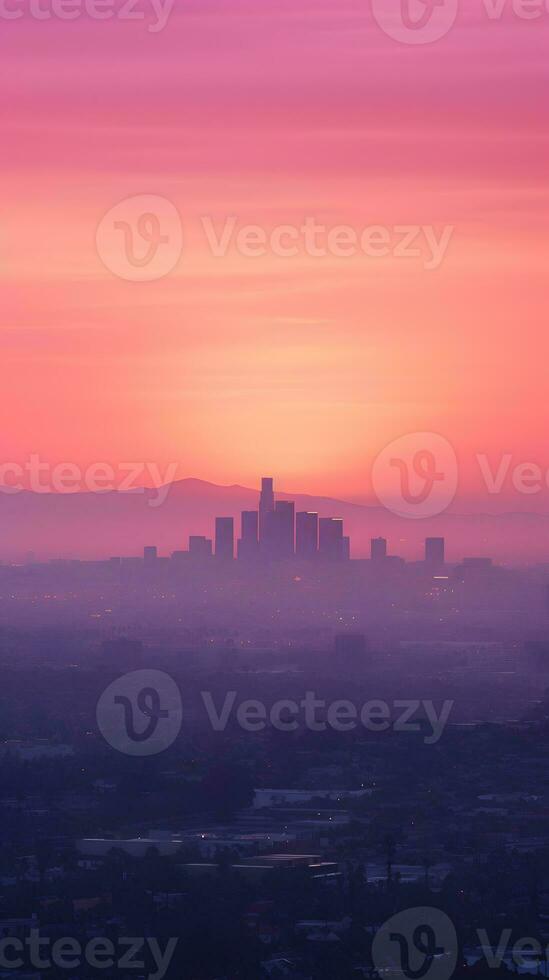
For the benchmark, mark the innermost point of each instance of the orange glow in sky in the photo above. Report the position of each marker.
(303, 366)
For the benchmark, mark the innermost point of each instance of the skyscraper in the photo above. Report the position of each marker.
(248, 545)
(150, 554)
(224, 538)
(434, 551)
(272, 533)
(266, 505)
(284, 525)
(330, 538)
(306, 534)
(378, 549)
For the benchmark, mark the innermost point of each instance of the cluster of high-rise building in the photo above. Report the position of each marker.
(275, 531)
(434, 550)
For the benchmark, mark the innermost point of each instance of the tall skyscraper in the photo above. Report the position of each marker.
(434, 551)
(248, 545)
(378, 549)
(284, 528)
(224, 538)
(150, 554)
(306, 534)
(266, 505)
(330, 538)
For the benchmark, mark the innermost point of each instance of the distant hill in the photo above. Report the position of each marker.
(97, 525)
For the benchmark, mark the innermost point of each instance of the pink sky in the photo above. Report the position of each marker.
(305, 367)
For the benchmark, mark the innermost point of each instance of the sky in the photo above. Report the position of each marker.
(272, 114)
